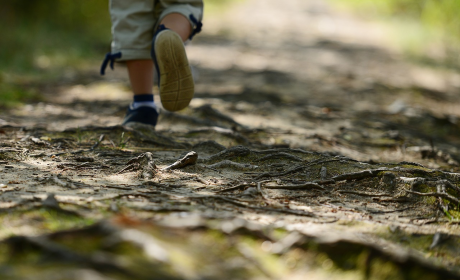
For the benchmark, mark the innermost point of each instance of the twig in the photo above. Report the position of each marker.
(286, 211)
(281, 155)
(259, 188)
(232, 164)
(151, 208)
(296, 169)
(74, 166)
(356, 175)
(450, 185)
(366, 194)
(426, 222)
(237, 151)
(240, 204)
(394, 199)
(224, 131)
(390, 211)
(238, 187)
(118, 188)
(436, 194)
(159, 185)
(293, 170)
(284, 150)
(308, 185)
(189, 159)
(101, 138)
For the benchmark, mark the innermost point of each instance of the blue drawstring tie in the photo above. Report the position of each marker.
(109, 57)
(198, 26)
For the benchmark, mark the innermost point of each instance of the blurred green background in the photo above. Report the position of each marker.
(41, 39)
(51, 33)
(426, 30)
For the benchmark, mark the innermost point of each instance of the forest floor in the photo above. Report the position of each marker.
(311, 149)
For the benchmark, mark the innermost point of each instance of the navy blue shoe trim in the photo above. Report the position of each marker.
(143, 97)
(153, 54)
(145, 115)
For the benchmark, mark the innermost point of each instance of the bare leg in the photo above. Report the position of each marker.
(140, 75)
(178, 23)
(141, 71)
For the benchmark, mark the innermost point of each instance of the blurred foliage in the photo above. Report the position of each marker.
(42, 38)
(52, 33)
(420, 24)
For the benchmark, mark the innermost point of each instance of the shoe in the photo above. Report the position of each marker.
(175, 80)
(145, 115)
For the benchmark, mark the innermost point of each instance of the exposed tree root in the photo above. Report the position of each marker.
(143, 163)
(224, 131)
(238, 187)
(237, 151)
(211, 113)
(56, 252)
(189, 159)
(437, 194)
(366, 194)
(281, 155)
(231, 164)
(305, 186)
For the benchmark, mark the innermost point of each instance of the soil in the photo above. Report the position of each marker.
(312, 148)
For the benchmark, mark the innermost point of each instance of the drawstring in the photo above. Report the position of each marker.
(198, 26)
(109, 57)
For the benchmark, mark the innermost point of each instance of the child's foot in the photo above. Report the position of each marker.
(175, 77)
(145, 115)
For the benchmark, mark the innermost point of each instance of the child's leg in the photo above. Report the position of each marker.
(140, 76)
(179, 24)
(133, 24)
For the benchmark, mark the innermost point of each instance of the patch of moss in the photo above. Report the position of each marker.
(42, 220)
(13, 94)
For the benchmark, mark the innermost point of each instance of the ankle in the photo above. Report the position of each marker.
(143, 100)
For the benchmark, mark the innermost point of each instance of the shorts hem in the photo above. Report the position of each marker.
(133, 54)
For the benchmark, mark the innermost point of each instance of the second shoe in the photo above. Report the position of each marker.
(175, 80)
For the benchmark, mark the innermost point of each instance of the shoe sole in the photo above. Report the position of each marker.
(175, 82)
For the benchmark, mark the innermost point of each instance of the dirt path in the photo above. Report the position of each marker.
(318, 151)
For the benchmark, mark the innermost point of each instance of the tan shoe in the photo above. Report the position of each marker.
(175, 80)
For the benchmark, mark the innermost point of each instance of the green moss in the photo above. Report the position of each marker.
(455, 214)
(13, 94)
(381, 269)
(43, 220)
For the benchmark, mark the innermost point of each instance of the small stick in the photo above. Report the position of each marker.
(260, 189)
(391, 211)
(436, 194)
(238, 187)
(101, 138)
(308, 185)
(189, 159)
(366, 194)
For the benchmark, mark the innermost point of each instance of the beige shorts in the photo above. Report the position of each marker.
(134, 23)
